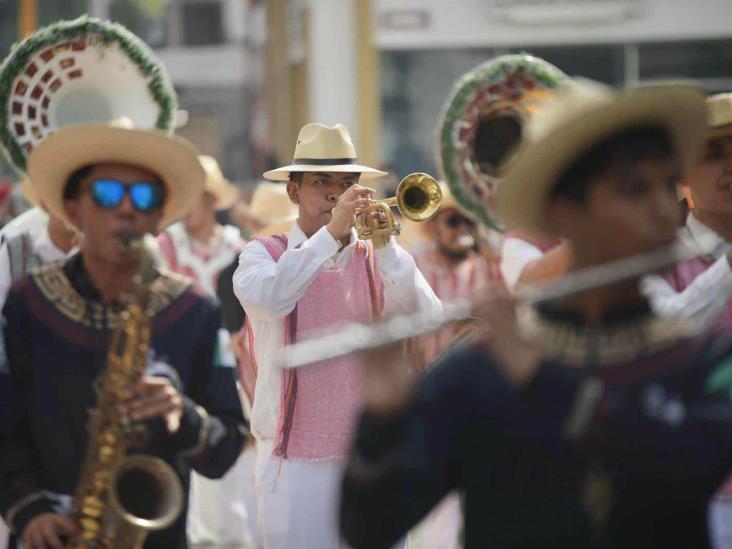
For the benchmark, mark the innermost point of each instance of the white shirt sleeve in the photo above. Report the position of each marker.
(405, 288)
(516, 253)
(702, 301)
(5, 284)
(270, 290)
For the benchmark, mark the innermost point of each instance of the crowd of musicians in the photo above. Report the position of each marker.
(599, 418)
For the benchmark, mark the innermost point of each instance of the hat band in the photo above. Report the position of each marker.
(324, 161)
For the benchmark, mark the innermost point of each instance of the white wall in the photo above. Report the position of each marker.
(419, 24)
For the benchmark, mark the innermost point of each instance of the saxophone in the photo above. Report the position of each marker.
(121, 497)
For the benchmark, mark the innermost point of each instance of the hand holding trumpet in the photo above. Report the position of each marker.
(344, 212)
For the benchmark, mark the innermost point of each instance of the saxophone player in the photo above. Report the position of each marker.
(109, 181)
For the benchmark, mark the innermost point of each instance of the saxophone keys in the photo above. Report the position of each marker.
(92, 507)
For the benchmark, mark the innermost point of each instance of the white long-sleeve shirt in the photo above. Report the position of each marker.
(269, 291)
(707, 296)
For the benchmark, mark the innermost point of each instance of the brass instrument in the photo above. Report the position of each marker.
(361, 337)
(121, 497)
(418, 198)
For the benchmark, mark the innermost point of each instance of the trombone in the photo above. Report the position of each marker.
(361, 337)
(418, 198)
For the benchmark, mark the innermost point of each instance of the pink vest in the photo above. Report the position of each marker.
(320, 402)
(684, 274)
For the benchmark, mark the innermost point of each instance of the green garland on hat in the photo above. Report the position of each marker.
(489, 73)
(63, 31)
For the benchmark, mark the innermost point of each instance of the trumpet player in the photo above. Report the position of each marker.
(315, 278)
(586, 422)
(109, 181)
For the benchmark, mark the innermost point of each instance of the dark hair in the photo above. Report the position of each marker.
(72, 189)
(627, 146)
(296, 177)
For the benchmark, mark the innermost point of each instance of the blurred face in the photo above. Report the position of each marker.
(453, 233)
(201, 214)
(710, 181)
(316, 195)
(629, 210)
(105, 227)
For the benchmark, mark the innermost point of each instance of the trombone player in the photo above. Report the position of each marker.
(315, 278)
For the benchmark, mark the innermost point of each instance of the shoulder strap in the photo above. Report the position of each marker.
(275, 244)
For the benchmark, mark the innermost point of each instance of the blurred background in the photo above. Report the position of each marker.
(252, 72)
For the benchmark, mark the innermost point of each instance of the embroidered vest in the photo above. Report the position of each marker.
(320, 402)
(684, 274)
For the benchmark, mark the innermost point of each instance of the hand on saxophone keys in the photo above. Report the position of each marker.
(155, 397)
(48, 530)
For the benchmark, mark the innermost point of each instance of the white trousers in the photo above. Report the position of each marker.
(3, 535)
(440, 529)
(297, 501)
(222, 513)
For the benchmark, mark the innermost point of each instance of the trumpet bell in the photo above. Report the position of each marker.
(419, 197)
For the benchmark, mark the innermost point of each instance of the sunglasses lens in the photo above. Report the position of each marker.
(146, 196)
(108, 193)
(455, 220)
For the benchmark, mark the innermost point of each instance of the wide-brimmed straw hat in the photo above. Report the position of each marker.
(171, 158)
(582, 115)
(322, 148)
(719, 115)
(225, 193)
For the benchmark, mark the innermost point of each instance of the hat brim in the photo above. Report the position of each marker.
(526, 188)
(283, 173)
(724, 130)
(171, 158)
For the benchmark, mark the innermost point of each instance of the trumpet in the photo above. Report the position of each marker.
(361, 337)
(418, 198)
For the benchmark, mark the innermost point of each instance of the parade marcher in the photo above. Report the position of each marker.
(526, 260)
(701, 288)
(317, 276)
(593, 422)
(454, 265)
(129, 182)
(199, 246)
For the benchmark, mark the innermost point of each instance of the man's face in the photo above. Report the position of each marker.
(105, 228)
(453, 233)
(710, 181)
(629, 210)
(316, 195)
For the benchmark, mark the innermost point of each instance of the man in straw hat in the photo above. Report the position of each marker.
(591, 422)
(112, 182)
(701, 287)
(316, 277)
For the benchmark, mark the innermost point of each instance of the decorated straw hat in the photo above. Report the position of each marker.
(581, 116)
(321, 148)
(719, 115)
(77, 72)
(171, 158)
(224, 191)
(482, 124)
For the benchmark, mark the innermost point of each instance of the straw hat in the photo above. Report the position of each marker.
(582, 115)
(271, 205)
(224, 191)
(70, 148)
(719, 115)
(322, 148)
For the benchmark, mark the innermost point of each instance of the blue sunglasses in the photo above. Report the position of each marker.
(109, 193)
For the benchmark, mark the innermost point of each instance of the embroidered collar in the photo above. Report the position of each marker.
(67, 286)
(627, 337)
